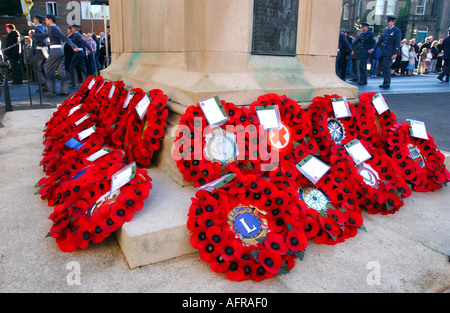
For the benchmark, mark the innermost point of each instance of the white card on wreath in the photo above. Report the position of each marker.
(130, 96)
(74, 109)
(81, 120)
(217, 184)
(379, 103)
(86, 133)
(91, 83)
(99, 154)
(357, 151)
(418, 129)
(111, 91)
(269, 116)
(313, 168)
(99, 88)
(123, 177)
(142, 106)
(341, 107)
(214, 111)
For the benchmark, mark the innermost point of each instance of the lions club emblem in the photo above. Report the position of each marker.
(248, 223)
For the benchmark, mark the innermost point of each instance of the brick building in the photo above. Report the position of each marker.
(417, 18)
(90, 17)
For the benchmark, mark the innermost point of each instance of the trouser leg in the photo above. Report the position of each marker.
(363, 71)
(386, 67)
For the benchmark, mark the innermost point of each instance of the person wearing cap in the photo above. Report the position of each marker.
(40, 44)
(367, 40)
(344, 50)
(78, 60)
(389, 42)
(446, 57)
(55, 61)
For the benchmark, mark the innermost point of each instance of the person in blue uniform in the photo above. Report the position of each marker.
(55, 61)
(40, 44)
(446, 58)
(344, 50)
(367, 40)
(389, 43)
(78, 61)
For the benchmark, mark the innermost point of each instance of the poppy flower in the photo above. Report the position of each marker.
(240, 270)
(296, 241)
(276, 243)
(270, 260)
(353, 219)
(329, 225)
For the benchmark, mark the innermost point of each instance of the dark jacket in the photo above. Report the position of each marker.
(446, 48)
(389, 42)
(12, 40)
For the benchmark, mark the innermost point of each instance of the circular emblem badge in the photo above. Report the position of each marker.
(415, 154)
(279, 138)
(221, 146)
(248, 223)
(314, 197)
(336, 129)
(369, 175)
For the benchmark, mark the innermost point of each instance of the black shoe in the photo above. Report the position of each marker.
(385, 86)
(63, 94)
(362, 84)
(441, 79)
(49, 94)
(353, 80)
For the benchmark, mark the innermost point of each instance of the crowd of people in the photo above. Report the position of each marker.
(408, 57)
(47, 51)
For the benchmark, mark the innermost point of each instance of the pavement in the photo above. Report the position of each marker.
(403, 253)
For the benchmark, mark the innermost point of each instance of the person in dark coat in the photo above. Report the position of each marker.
(344, 51)
(13, 53)
(55, 61)
(444, 76)
(40, 44)
(390, 46)
(367, 40)
(78, 61)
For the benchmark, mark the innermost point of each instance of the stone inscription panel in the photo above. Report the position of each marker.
(275, 27)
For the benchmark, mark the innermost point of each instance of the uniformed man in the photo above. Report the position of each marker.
(78, 60)
(40, 44)
(344, 50)
(55, 61)
(389, 44)
(445, 75)
(367, 40)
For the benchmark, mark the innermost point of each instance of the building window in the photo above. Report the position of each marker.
(345, 12)
(52, 8)
(93, 12)
(388, 5)
(420, 7)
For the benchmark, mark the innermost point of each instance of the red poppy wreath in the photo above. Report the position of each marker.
(331, 211)
(327, 130)
(204, 153)
(90, 213)
(373, 127)
(421, 162)
(382, 187)
(249, 229)
(294, 126)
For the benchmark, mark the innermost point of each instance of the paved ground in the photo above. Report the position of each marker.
(407, 252)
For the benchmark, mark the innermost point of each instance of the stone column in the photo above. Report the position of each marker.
(194, 49)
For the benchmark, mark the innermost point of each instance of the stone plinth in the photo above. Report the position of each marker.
(196, 49)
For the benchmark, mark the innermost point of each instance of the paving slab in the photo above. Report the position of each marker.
(406, 252)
